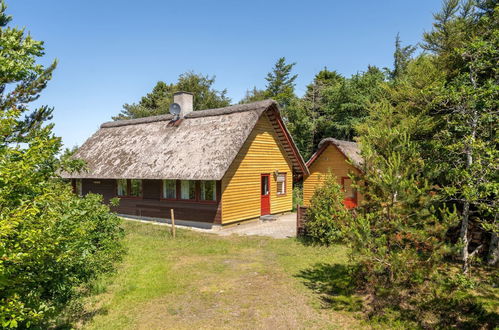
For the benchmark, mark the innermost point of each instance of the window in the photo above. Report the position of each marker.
(265, 185)
(78, 187)
(208, 190)
(281, 183)
(170, 189)
(187, 189)
(350, 192)
(135, 188)
(122, 187)
(129, 188)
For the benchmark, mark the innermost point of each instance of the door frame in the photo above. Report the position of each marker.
(267, 196)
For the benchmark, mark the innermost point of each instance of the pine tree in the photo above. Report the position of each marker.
(401, 58)
(465, 42)
(281, 83)
(397, 236)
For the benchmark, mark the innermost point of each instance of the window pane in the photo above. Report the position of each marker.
(208, 191)
(347, 187)
(122, 187)
(135, 188)
(187, 189)
(281, 183)
(265, 185)
(169, 189)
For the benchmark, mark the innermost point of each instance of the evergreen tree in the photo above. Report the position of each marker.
(304, 114)
(158, 101)
(465, 148)
(401, 58)
(397, 237)
(345, 104)
(281, 83)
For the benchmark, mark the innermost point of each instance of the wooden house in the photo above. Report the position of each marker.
(340, 158)
(218, 166)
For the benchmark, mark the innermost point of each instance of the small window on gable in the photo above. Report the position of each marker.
(187, 189)
(281, 183)
(208, 190)
(122, 187)
(79, 187)
(169, 189)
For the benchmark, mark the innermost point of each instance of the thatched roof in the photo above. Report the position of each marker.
(201, 146)
(349, 149)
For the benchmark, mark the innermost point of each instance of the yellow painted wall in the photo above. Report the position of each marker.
(261, 153)
(332, 160)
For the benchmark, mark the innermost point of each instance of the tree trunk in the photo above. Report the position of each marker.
(466, 209)
(464, 237)
(493, 250)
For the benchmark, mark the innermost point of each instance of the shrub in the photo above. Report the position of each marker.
(50, 247)
(327, 214)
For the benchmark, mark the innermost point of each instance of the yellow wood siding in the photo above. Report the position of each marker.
(261, 153)
(332, 160)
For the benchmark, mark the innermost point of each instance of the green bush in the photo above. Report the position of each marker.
(50, 247)
(327, 215)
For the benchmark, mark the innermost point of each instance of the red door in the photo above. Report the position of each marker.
(265, 194)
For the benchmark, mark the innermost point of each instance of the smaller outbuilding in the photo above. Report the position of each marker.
(340, 158)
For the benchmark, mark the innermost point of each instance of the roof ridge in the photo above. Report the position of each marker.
(258, 105)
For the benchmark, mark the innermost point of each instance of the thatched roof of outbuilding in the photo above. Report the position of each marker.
(349, 149)
(200, 146)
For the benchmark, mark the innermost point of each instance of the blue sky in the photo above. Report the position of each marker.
(113, 52)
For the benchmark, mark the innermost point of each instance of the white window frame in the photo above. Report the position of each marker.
(283, 182)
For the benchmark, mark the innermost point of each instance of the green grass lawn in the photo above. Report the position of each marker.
(208, 281)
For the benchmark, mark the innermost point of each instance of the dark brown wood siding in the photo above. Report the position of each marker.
(151, 204)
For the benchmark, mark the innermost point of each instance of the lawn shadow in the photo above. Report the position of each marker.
(78, 317)
(335, 284)
(461, 313)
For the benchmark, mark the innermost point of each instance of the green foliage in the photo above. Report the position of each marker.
(397, 236)
(69, 164)
(158, 101)
(327, 216)
(254, 95)
(346, 104)
(429, 145)
(297, 196)
(281, 83)
(51, 241)
(401, 58)
(332, 107)
(464, 148)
